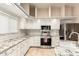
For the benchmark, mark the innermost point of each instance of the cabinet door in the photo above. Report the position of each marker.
(32, 10)
(55, 41)
(55, 11)
(22, 23)
(32, 24)
(55, 24)
(36, 41)
(68, 10)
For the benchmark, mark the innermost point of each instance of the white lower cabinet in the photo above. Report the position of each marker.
(30, 41)
(35, 41)
(55, 41)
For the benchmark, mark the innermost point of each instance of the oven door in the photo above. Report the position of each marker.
(46, 41)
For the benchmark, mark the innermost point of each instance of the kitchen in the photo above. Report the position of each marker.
(42, 26)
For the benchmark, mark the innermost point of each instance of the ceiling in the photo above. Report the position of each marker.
(11, 9)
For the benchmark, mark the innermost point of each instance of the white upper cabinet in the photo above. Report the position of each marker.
(62, 11)
(76, 11)
(55, 11)
(48, 11)
(22, 23)
(55, 24)
(68, 10)
(29, 24)
(45, 22)
(42, 12)
(37, 23)
(34, 24)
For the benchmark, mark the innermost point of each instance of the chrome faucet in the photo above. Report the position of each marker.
(74, 33)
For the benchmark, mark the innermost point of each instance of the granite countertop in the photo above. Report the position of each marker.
(6, 44)
(67, 48)
(65, 51)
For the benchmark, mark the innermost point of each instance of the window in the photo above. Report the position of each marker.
(8, 24)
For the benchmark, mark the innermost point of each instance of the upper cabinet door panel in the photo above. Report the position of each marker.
(32, 24)
(68, 10)
(55, 11)
(32, 10)
(42, 12)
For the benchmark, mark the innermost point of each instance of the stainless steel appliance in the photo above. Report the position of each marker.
(45, 35)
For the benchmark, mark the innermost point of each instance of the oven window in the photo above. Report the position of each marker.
(46, 41)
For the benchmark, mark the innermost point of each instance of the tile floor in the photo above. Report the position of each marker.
(41, 52)
(65, 48)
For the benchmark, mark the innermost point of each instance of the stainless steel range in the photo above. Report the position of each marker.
(45, 35)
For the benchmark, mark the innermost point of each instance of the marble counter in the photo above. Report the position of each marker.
(67, 48)
(7, 44)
